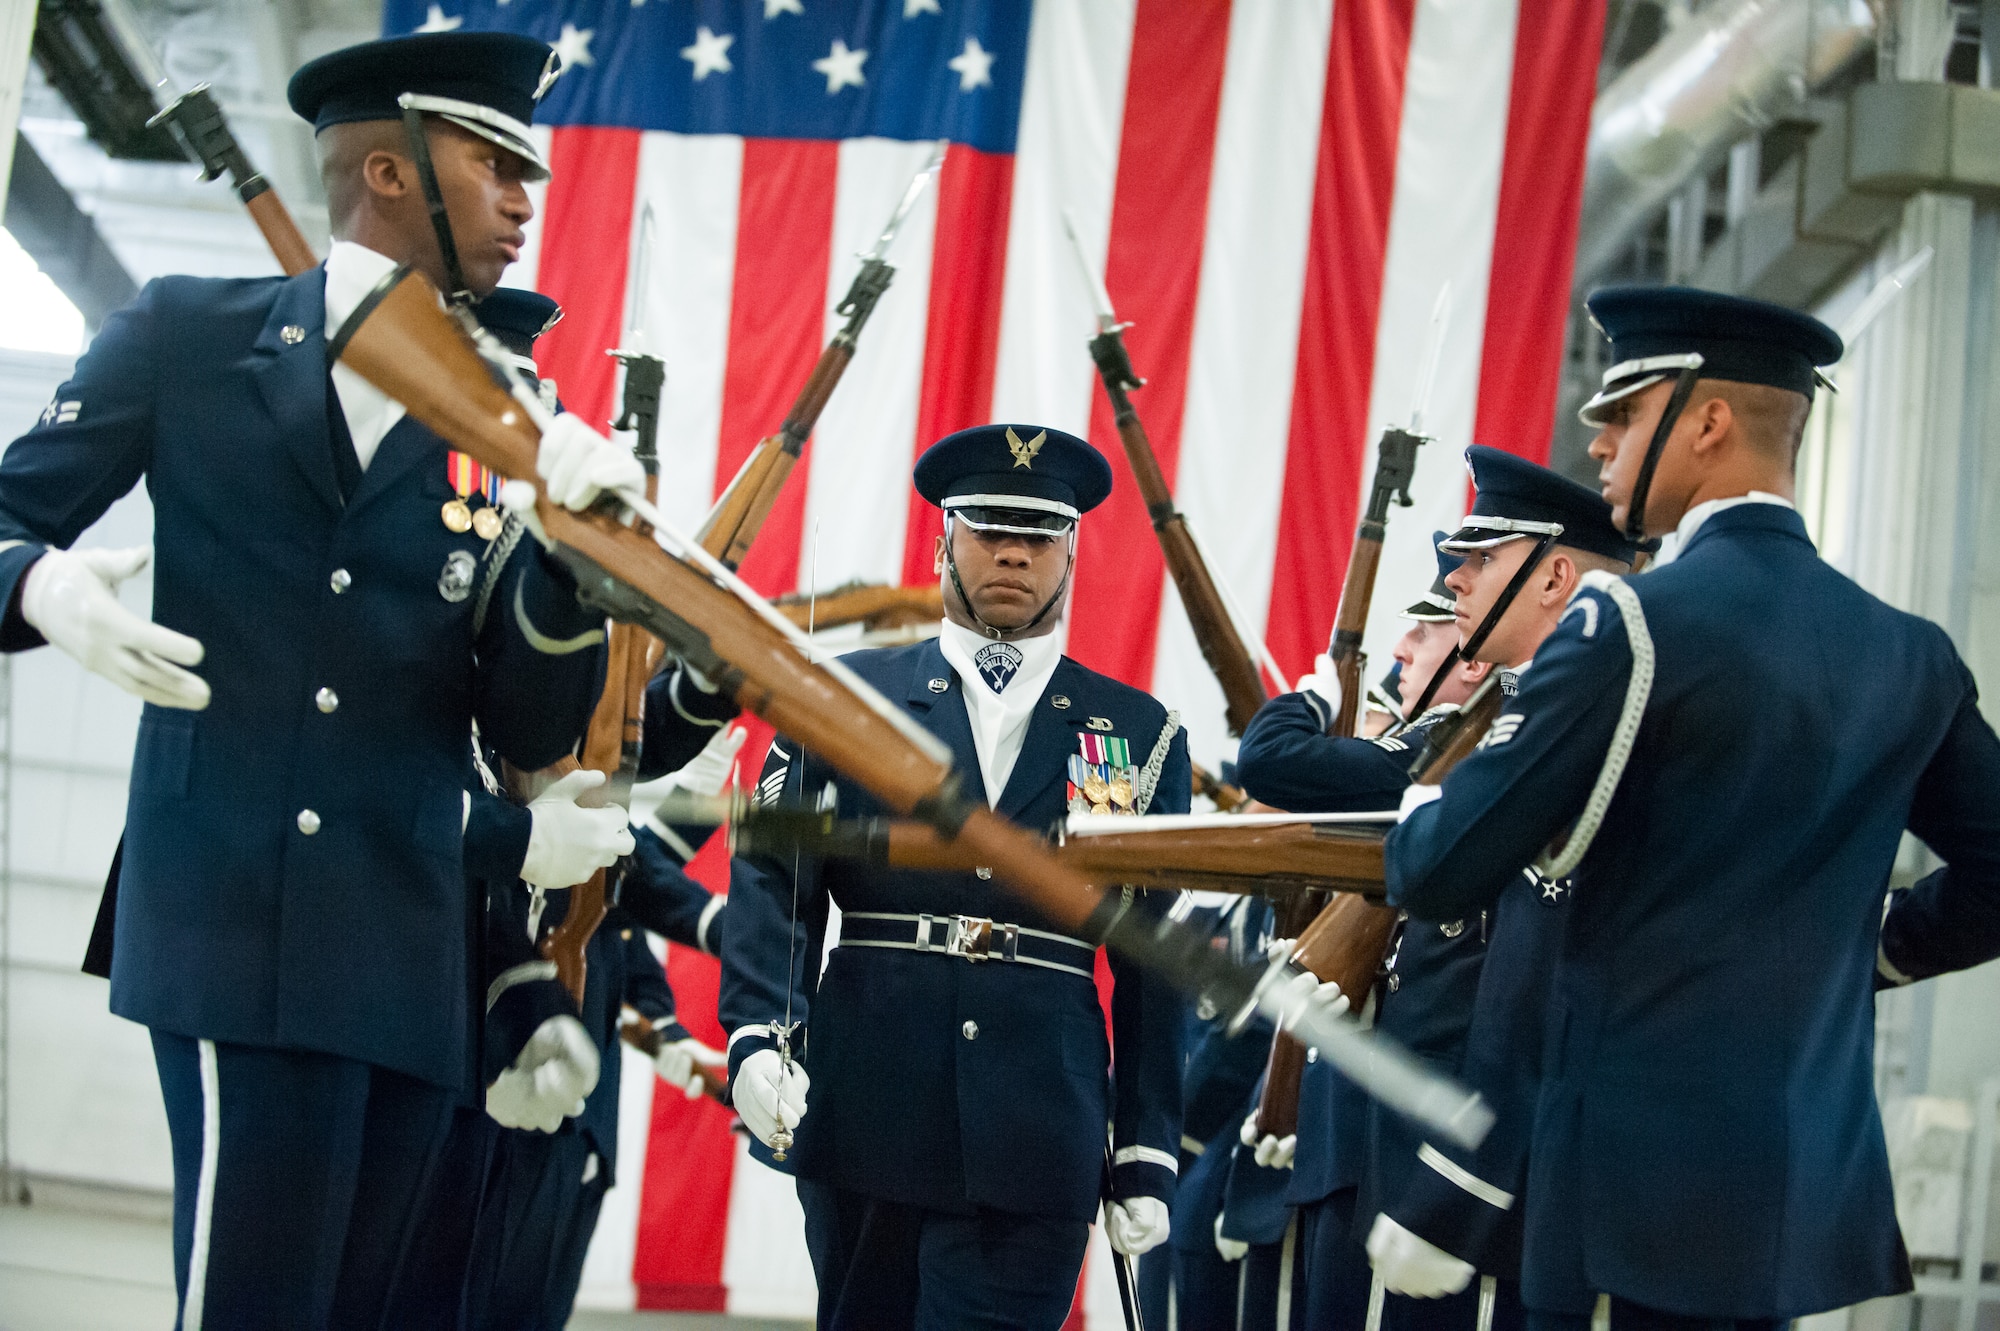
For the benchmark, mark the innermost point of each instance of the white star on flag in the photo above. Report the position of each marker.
(436, 21)
(974, 66)
(841, 66)
(573, 46)
(912, 8)
(710, 53)
(773, 8)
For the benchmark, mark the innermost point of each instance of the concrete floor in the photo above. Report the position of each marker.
(75, 1270)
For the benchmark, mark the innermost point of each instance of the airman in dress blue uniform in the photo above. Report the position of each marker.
(1740, 735)
(951, 1133)
(1288, 760)
(293, 922)
(1521, 552)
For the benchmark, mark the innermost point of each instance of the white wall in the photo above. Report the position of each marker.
(81, 1098)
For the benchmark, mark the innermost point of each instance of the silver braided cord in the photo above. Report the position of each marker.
(511, 528)
(1637, 690)
(1149, 776)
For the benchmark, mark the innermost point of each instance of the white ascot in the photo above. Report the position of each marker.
(999, 715)
(351, 273)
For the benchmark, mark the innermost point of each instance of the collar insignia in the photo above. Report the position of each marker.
(1024, 453)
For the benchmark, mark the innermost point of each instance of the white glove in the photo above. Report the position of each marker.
(679, 1064)
(1136, 1226)
(1280, 949)
(1416, 797)
(71, 597)
(768, 1091)
(1232, 1250)
(1411, 1266)
(569, 843)
(577, 464)
(1305, 993)
(1323, 683)
(1269, 1151)
(708, 772)
(548, 1083)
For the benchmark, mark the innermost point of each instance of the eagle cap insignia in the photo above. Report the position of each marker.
(1024, 453)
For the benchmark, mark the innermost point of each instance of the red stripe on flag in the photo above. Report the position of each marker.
(1541, 195)
(962, 337)
(1360, 121)
(777, 326)
(690, 1154)
(586, 242)
(690, 1158)
(1159, 215)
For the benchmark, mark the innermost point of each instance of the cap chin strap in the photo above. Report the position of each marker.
(991, 631)
(1468, 649)
(420, 153)
(1635, 512)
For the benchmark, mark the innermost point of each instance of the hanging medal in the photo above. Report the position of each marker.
(457, 514)
(486, 520)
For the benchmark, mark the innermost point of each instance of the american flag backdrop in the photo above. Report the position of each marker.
(1276, 191)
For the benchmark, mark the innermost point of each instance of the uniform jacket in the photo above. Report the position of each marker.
(1706, 1139)
(1425, 996)
(240, 918)
(903, 1105)
(1469, 1202)
(520, 989)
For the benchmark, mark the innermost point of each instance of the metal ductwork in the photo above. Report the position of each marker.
(1725, 72)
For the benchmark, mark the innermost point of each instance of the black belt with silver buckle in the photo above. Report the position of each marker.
(971, 937)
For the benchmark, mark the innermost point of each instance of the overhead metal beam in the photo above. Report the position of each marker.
(63, 239)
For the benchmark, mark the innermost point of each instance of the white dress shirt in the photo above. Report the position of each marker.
(1000, 720)
(351, 273)
(1691, 521)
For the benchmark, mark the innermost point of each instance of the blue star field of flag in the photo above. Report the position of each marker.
(788, 69)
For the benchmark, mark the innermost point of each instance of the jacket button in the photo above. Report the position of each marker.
(970, 1030)
(340, 581)
(308, 821)
(327, 700)
(985, 874)
(1395, 982)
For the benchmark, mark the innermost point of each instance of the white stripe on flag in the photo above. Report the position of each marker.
(607, 1268)
(765, 1265)
(1066, 156)
(1245, 351)
(1454, 129)
(858, 498)
(692, 183)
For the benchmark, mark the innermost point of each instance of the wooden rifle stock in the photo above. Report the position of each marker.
(1225, 797)
(611, 743)
(1283, 860)
(732, 525)
(874, 606)
(1358, 932)
(1221, 645)
(640, 1034)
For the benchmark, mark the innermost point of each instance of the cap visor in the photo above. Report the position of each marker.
(1595, 412)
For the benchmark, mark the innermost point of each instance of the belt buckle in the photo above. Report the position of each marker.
(971, 937)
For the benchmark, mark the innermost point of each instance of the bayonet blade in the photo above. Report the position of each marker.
(1433, 352)
(918, 183)
(1881, 296)
(1107, 318)
(642, 276)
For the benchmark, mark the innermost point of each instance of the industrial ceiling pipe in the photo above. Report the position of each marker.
(1723, 73)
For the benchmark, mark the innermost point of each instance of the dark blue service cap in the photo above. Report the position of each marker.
(486, 82)
(1436, 605)
(1656, 332)
(1014, 466)
(517, 317)
(1515, 499)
